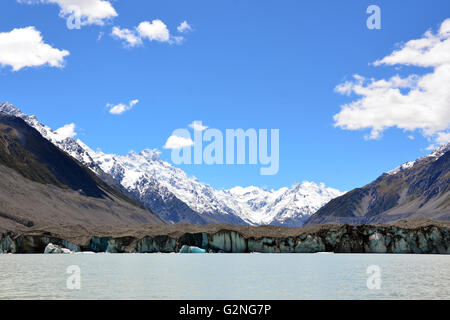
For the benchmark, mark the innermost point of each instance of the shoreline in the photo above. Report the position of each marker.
(417, 236)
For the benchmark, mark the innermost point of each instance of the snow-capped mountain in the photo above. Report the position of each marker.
(139, 172)
(416, 189)
(176, 197)
(437, 153)
(285, 206)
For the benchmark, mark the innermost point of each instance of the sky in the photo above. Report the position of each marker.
(350, 102)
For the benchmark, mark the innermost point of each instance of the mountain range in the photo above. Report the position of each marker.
(417, 188)
(176, 197)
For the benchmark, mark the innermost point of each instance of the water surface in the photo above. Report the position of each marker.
(225, 276)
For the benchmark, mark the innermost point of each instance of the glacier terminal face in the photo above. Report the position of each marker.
(418, 236)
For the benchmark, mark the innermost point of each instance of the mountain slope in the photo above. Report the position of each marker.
(170, 193)
(25, 151)
(40, 184)
(419, 188)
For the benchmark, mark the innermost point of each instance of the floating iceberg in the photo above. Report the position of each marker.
(53, 248)
(191, 249)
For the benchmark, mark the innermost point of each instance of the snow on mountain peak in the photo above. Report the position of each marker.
(435, 154)
(152, 155)
(439, 151)
(239, 191)
(11, 110)
(295, 204)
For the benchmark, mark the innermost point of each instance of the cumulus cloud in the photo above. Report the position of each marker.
(184, 27)
(441, 138)
(408, 103)
(67, 131)
(121, 107)
(88, 11)
(177, 142)
(25, 47)
(130, 37)
(155, 30)
(198, 126)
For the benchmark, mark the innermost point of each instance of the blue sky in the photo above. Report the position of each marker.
(244, 64)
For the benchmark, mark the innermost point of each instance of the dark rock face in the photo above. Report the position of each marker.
(428, 239)
(422, 190)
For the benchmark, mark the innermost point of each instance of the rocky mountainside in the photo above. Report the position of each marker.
(418, 188)
(40, 184)
(176, 197)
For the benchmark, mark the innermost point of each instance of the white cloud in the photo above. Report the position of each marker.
(440, 139)
(152, 31)
(184, 27)
(410, 103)
(25, 47)
(155, 30)
(131, 38)
(177, 39)
(177, 142)
(197, 126)
(68, 131)
(89, 11)
(443, 138)
(121, 107)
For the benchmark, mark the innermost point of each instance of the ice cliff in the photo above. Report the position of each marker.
(432, 239)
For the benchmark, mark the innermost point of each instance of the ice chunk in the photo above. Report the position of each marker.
(191, 249)
(53, 248)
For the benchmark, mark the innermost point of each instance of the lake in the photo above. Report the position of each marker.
(225, 276)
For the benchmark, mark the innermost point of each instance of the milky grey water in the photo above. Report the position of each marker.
(225, 276)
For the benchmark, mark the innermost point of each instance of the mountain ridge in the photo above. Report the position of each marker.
(173, 195)
(419, 189)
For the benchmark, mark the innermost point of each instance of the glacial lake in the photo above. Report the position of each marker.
(225, 276)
